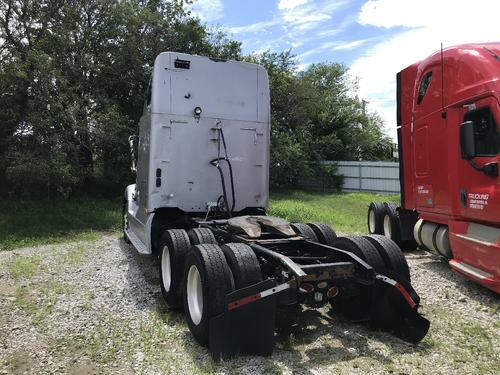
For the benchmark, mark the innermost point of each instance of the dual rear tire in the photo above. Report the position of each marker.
(197, 274)
(316, 232)
(383, 219)
(375, 219)
(378, 251)
(174, 246)
(383, 255)
(211, 272)
(207, 280)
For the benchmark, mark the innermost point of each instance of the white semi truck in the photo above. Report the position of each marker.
(199, 205)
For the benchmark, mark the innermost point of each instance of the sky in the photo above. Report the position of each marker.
(374, 38)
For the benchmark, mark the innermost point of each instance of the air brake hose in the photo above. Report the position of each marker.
(230, 170)
(215, 163)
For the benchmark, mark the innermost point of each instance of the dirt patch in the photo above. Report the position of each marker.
(96, 307)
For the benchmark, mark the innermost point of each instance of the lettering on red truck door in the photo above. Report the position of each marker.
(477, 201)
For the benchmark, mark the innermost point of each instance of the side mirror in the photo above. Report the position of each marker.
(131, 139)
(491, 169)
(467, 146)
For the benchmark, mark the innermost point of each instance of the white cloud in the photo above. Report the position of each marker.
(329, 32)
(296, 20)
(350, 45)
(254, 27)
(335, 45)
(208, 10)
(428, 23)
(309, 15)
(290, 4)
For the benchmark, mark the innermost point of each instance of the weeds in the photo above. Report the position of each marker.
(24, 267)
(74, 257)
(476, 338)
(38, 300)
(149, 344)
(110, 338)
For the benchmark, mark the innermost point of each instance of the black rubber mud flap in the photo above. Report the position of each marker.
(394, 309)
(247, 328)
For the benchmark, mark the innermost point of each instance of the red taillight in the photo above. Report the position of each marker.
(308, 288)
(332, 292)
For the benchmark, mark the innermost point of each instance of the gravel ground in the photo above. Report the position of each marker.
(96, 307)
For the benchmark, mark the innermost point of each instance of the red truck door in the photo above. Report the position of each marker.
(480, 193)
(430, 145)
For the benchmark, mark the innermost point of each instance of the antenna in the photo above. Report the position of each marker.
(443, 113)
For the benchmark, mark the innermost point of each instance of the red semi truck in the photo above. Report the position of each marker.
(448, 113)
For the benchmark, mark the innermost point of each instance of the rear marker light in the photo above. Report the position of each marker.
(308, 288)
(332, 292)
(322, 285)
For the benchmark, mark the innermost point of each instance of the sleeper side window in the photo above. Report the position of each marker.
(486, 136)
(424, 85)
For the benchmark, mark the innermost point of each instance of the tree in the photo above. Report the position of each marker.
(73, 76)
(72, 82)
(316, 116)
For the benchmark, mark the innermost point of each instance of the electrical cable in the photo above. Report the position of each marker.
(230, 170)
(216, 163)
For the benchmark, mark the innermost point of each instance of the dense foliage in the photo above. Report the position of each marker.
(72, 81)
(317, 116)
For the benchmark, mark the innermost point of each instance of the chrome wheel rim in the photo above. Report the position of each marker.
(371, 221)
(387, 226)
(166, 271)
(194, 295)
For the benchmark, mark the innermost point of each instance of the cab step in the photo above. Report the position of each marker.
(471, 271)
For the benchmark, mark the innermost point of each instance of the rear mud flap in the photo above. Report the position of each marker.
(394, 309)
(247, 327)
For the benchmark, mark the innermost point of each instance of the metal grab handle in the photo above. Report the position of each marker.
(133, 167)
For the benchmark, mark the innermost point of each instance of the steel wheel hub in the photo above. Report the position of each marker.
(194, 295)
(371, 221)
(166, 270)
(387, 226)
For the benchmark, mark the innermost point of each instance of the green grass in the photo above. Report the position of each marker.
(28, 223)
(347, 212)
(23, 267)
(38, 300)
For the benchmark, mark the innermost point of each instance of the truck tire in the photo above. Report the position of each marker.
(304, 230)
(243, 263)
(391, 223)
(391, 253)
(174, 246)
(207, 280)
(125, 221)
(325, 234)
(362, 248)
(199, 236)
(375, 218)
